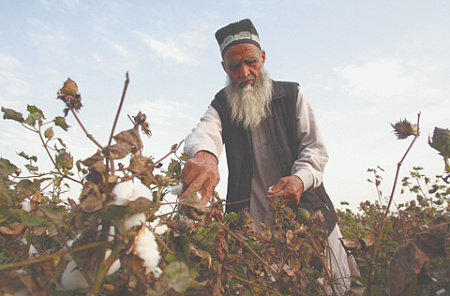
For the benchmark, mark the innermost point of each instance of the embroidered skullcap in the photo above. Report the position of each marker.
(239, 32)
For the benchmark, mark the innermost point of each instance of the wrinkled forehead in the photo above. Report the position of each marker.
(241, 52)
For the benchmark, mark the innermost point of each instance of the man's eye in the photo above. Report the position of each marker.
(234, 66)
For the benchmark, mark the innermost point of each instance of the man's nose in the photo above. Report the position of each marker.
(244, 70)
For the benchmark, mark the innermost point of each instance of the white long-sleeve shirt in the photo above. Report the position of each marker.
(309, 165)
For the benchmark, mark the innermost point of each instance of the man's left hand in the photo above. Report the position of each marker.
(289, 189)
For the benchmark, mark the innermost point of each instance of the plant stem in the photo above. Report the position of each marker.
(386, 212)
(103, 269)
(250, 249)
(324, 265)
(84, 129)
(127, 81)
(44, 143)
(54, 255)
(255, 285)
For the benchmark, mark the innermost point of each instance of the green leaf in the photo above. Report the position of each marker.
(33, 109)
(48, 134)
(174, 167)
(35, 115)
(182, 248)
(61, 142)
(32, 168)
(111, 212)
(177, 274)
(12, 114)
(6, 167)
(32, 221)
(55, 212)
(61, 122)
(28, 188)
(24, 155)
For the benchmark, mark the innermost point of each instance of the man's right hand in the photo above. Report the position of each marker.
(200, 173)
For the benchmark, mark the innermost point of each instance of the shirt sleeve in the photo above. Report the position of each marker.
(207, 136)
(312, 154)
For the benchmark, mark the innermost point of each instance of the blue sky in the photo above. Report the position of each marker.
(361, 64)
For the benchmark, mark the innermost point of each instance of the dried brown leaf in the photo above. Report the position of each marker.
(91, 204)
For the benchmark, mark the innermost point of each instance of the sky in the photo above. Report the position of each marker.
(362, 65)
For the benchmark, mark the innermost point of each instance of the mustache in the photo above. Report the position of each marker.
(247, 79)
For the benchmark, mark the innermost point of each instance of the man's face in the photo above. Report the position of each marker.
(243, 63)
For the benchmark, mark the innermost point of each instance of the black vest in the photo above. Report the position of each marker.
(239, 150)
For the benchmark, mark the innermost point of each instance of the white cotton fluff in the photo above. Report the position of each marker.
(26, 205)
(147, 249)
(177, 189)
(114, 267)
(32, 249)
(129, 191)
(158, 228)
(72, 278)
(130, 222)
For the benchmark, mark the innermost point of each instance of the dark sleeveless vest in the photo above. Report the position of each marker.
(239, 151)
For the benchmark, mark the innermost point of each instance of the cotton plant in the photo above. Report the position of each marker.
(126, 192)
(144, 245)
(72, 278)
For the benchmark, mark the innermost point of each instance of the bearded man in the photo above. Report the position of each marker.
(272, 140)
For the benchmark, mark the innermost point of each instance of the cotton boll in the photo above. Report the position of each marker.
(140, 190)
(114, 267)
(132, 221)
(123, 192)
(26, 205)
(158, 228)
(129, 191)
(147, 249)
(177, 189)
(72, 279)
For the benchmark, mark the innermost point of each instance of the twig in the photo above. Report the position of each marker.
(325, 267)
(84, 129)
(127, 81)
(253, 284)
(103, 269)
(110, 162)
(172, 151)
(44, 143)
(391, 198)
(250, 249)
(54, 255)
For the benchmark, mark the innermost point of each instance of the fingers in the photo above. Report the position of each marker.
(200, 173)
(289, 189)
(193, 186)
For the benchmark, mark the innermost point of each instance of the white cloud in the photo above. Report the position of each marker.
(51, 41)
(386, 78)
(68, 3)
(11, 79)
(169, 49)
(160, 111)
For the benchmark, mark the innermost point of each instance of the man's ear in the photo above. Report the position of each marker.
(263, 56)
(223, 66)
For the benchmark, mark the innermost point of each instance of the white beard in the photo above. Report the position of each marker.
(250, 104)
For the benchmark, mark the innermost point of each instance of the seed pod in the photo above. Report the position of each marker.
(303, 214)
(64, 161)
(70, 87)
